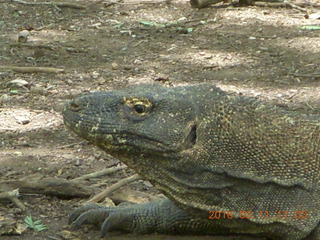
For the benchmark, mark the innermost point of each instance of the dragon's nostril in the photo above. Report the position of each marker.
(74, 105)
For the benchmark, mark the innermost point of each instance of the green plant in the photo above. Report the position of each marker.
(35, 225)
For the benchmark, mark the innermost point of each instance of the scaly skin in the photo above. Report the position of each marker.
(207, 150)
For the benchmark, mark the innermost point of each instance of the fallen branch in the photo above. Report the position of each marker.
(72, 145)
(308, 4)
(54, 4)
(99, 173)
(31, 69)
(31, 45)
(308, 104)
(134, 2)
(113, 188)
(48, 186)
(195, 21)
(107, 4)
(203, 3)
(13, 197)
(49, 47)
(315, 75)
(279, 4)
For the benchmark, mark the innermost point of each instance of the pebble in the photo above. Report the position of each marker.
(114, 66)
(18, 83)
(4, 98)
(23, 121)
(38, 90)
(23, 36)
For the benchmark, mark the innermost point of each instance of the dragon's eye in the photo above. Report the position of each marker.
(139, 108)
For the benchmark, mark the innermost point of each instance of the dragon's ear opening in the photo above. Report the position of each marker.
(192, 137)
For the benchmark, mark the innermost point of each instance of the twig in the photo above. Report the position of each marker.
(100, 1)
(145, 2)
(136, 2)
(199, 20)
(307, 103)
(211, 66)
(99, 173)
(315, 75)
(203, 3)
(309, 4)
(71, 145)
(48, 186)
(54, 4)
(32, 69)
(33, 45)
(113, 188)
(71, 49)
(13, 197)
(277, 4)
(52, 48)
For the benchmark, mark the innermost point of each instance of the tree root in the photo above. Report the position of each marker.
(54, 4)
(48, 186)
(99, 173)
(13, 197)
(113, 188)
(31, 69)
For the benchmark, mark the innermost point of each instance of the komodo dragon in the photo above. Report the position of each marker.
(228, 164)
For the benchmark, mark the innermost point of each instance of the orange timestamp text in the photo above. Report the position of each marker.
(261, 214)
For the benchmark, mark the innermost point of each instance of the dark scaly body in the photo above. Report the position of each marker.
(211, 151)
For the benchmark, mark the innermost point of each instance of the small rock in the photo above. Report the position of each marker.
(78, 163)
(95, 74)
(20, 228)
(95, 25)
(314, 15)
(148, 184)
(183, 31)
(18, 154)
(23, 36)
(208, 56)
(264, 48)
(101, 81)
(24, 121)
(162, 78)
(70, 82)
(18, 83)
(4, 98)
(38, 90)
(114, 66)
(68, 156)
(182, 19)
(108, 202)
(137, 62)
(69, 235)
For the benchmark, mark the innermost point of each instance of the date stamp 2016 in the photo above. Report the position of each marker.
(214, 215)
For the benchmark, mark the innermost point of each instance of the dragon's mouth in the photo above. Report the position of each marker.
(112, 141)
(131, 143)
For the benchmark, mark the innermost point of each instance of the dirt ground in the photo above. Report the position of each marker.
(254, 51)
